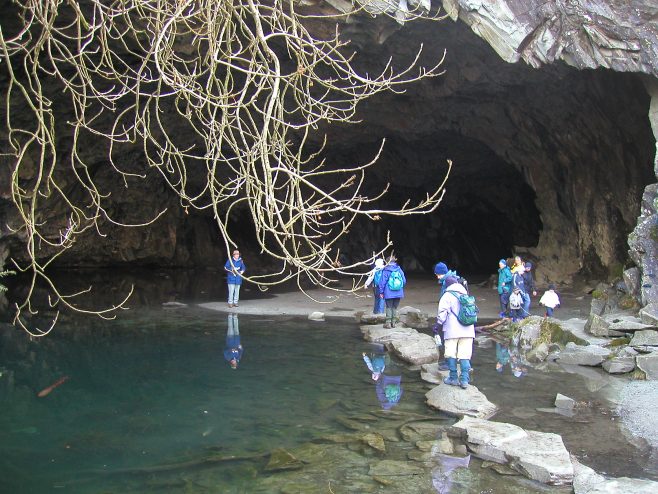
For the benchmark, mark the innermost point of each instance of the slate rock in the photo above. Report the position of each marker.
(590, 355)
(564, 402)
(647, 337)
(648, 364)
(460, 402)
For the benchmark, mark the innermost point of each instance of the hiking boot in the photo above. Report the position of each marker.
(451, 381)
(230, 305)
(452, 367)
(502, 315)
(387, 325)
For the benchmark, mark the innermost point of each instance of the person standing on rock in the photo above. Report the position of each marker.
(458, 339)
(373, 278)
(504, 286)
(391, 289)
(235, 267)
(530, 289)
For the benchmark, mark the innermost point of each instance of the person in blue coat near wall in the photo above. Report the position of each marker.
(234, 267)
(391, 289)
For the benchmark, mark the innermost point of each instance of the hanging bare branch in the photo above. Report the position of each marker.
(247, 82)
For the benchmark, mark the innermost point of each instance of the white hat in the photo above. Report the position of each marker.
(379, 263)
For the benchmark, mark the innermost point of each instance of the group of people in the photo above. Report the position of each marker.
(516, 287)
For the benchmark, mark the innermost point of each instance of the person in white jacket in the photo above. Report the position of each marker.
(550, 300)
(458, 339)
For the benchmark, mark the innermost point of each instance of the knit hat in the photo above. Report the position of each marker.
(551, 286)
(528, 265)
(441, 268)
(503, 262)
(379, 263)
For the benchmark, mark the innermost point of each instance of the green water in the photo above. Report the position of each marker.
(152, 405)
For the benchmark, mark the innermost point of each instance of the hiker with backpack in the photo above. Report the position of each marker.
(504, 286)
(391, 289)
(373, 278)
(457, 313)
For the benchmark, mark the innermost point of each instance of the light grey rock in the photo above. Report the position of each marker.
(316, 316)
(370, 318)
(587, 481)
(413, 317)
(538, 455)
(597, 325)
(649, 314)
(627, 324)
(619, 365)
(632, 281)
(430, 373)
(460, 402)
(594, 380)
(419, 349)
(645, 337)
(530, 330)
(591, 355)
(378, 334)
(648, 364)
(564, 402)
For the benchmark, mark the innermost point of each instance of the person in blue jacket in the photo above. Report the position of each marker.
(504, 286)
(235, 267)
(442, 272)
(233, 350)
(391, 289)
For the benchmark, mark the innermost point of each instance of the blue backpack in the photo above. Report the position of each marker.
(395, 281)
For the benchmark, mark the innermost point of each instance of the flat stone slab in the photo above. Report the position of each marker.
(459, 402)
(416, 349)
(378, 334)
(539, 456)
(619, 365)
(430, 373)
(647, 337)
(590, 355)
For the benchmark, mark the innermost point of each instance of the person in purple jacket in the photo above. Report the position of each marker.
(391, 289)
(458, 339)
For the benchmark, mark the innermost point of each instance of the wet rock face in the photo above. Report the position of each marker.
(550, 162)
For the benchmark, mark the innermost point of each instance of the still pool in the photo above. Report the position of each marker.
(152, 404)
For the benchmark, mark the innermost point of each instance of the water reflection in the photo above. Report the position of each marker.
(233, 349)
(442, 473)
(510, 355)
(388, 388)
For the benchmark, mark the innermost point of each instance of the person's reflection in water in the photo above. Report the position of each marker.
(442, 473)
(233, 349)
(387, 388)
(505, 355)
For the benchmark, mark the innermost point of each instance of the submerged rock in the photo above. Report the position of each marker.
(460, 402)
(564, 402)
(540, 456)
(393, 468)
(280, 460)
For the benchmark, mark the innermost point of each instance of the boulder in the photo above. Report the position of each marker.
(591, 355)
(626, 324)
(619, 365)
(370, 318)
(647, 337)
(538, 354)
(378, 334)
(460, 402)
(648, 364)
(597, 325)
(530, 330)
(539, 456)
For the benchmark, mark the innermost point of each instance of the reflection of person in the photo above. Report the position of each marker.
(233, 350)
(387, 388)
(506, 355)
(502, 356)
(234, 267)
